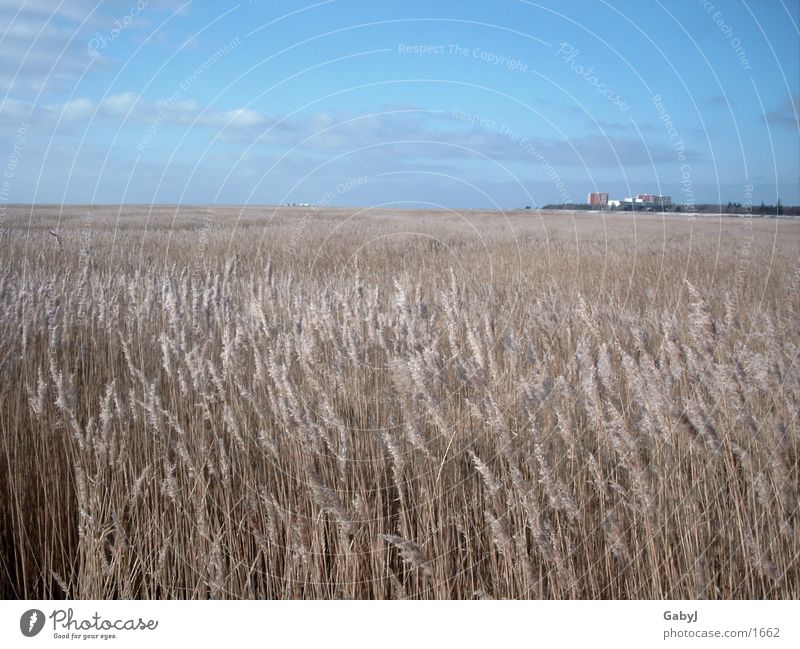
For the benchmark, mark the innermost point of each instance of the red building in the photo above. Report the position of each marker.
(598, 198)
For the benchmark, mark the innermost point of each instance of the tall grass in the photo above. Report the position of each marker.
(532, 408)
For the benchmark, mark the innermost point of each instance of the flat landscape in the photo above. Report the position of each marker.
(224, 402)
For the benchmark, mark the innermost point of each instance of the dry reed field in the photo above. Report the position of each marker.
(302, 403)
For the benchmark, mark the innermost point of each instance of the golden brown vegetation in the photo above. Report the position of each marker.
(387, 405)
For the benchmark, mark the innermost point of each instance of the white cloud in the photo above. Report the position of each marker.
(77, 109)
(186, 106)
(382, 139)
(120, 104)
(75, 10)
(40, 47)
(45, 45)
(242, 117)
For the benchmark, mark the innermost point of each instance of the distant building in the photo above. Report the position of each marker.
(654, 199)
(614, 203)
(598, 198)
(649, 200)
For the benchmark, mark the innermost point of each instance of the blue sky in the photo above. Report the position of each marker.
(350, 102)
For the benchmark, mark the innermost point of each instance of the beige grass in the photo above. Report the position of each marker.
(298, 404)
